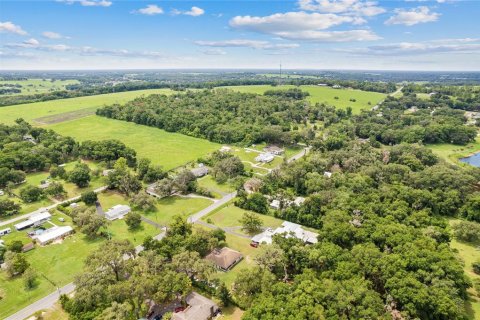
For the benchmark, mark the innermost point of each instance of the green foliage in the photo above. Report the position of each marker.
(30, 279)
(467, 231)
(476, 267)
(221, 116)
(80, 175)
(107, 150)
(8, 208)
(133, 220)
(15, 263)
(31, 194)
(89, 197)
(254, 202)
(90, 222)
(15, 246)
(251, 223)
(143, 201)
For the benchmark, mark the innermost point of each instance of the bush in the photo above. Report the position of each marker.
(476, 267)
(133, 220)
(89, 197)
(467, 231)
(31, 194)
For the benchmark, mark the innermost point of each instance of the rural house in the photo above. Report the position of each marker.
(273, 150)
(198, 308)
(264, 157)
(200, 171)
(289, 229)
(34, 220)
(224, 258)
(117, 212)
(53, 234)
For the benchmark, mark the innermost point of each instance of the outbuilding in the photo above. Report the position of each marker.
(225, 258)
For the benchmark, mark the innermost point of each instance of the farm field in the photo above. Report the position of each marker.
(57, 264)
(32, 111)
(36, 86)
(325, 95)
(163, 148)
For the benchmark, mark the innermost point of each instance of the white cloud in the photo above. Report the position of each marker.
(465, 46)
(150, 10)
(30, 43)
(214, 52)
(304, 26)
(11, 28)
(413, 16)
(194, 12)
(355, 7)
(256, 44)
(291, 21)
(330, 36)
(89, 3)
(53, 35)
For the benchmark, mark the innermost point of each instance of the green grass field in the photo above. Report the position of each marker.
(451, 153)
(31, 111)
(57, 264)
(36, 86)
(326, 95)
(164, 148)
(218, 190)
(169, 207)
(469, 253)
(230, 215)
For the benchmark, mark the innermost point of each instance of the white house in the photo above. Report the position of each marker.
(299, 201)
(5, 231)
(275, 204)
(53, 234)
(288, 229)
(34, 220)
(327, 174)
(117, 212)
(265, 157)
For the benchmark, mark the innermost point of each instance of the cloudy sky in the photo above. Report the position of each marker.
(310, 34)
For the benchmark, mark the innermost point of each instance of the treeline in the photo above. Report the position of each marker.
(25, 149)
(457, 97)
(222, 116)
(409, 119)
(86, 89)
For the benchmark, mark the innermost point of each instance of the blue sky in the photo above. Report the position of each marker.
(309, 34)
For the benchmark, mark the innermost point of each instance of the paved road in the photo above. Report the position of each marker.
(50, 300)
(197, 216)
(27, 215)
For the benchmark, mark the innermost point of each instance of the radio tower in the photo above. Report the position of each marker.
(280, 73)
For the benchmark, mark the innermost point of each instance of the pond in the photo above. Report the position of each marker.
(473, 160)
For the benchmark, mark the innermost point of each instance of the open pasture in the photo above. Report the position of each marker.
(363, 99)
(37, 86)
(164, 148)
(40, 110)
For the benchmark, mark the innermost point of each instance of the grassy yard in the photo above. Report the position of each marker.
(218, 190)
(230, 216)
(168, 207)
(164, 148)
(326, 95)
(452, 153)
(469, 253)
(36, 86)
(57, 264)
(35, 179)
(31, 111)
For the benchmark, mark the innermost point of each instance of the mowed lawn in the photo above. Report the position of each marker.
(164, 148)
(31, 111)
(325, 95)
(469, 253)
(57, 264)
(451, 153)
